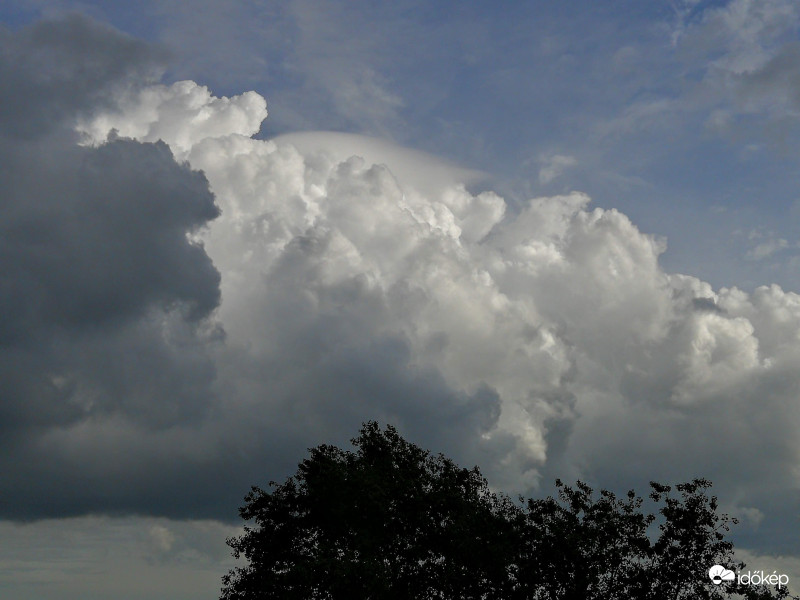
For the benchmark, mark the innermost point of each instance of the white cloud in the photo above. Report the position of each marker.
(562, 311)
(768, 248)
(427, 174)
(161, 537)
(764, 244)
(554, 166)
(182, 114)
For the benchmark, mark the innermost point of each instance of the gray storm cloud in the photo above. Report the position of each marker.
(104, 300)
(365, 284)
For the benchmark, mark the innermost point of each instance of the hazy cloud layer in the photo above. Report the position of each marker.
(128, 558)
(540, 343)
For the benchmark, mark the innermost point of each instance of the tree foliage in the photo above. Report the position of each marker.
(391, 521)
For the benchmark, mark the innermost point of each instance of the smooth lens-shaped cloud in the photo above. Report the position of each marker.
(718, 574)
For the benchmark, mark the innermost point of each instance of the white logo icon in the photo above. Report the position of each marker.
(718, 574)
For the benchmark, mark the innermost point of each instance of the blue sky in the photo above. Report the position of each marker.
(538, 338)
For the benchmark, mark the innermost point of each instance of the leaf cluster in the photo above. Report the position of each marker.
(390, 521)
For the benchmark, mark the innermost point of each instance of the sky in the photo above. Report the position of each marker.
(553, 239)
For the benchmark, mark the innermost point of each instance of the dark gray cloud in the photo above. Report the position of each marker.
(93, 235)
(62, 69)
(104, 300)
(203, 469)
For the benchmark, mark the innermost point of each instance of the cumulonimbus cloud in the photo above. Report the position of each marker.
(561, 310)
(543, 342)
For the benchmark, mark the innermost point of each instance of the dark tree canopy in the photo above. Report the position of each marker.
(392, 521)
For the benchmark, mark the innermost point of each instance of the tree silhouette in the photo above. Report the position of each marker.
(392, 521)
(584, 547)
